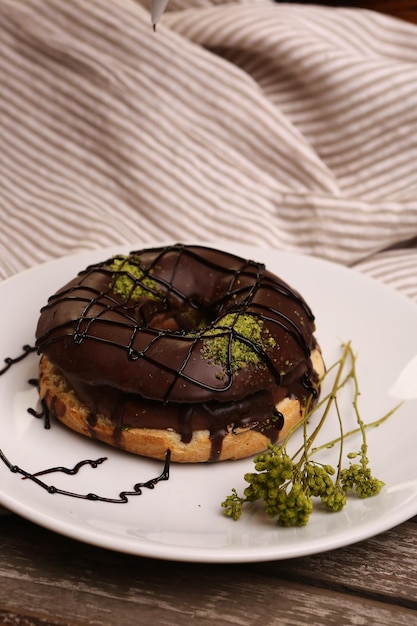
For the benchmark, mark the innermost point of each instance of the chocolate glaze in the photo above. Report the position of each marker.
(256, 411)
(140, 361)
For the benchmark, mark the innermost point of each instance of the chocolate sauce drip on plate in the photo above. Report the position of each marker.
(71, 471)
(42, 414)
(27, 349)
(9, 361)
(122, 498)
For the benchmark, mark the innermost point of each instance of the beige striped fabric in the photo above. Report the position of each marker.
(272, 124)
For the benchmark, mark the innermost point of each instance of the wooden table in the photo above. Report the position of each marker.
(49, 579)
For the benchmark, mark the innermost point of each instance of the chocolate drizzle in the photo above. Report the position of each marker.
(70, 471)
(122, 498)
(9, 361)
(153, 344)
(87, 330)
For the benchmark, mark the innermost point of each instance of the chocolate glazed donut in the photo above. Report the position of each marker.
(181, 339)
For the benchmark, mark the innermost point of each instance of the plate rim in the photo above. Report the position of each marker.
(198, 554)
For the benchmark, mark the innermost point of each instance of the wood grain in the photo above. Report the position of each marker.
(45, 578)
(377, 577)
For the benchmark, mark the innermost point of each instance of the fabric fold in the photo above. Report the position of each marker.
(272, 124)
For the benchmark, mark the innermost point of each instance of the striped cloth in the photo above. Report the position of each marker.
(272, 124)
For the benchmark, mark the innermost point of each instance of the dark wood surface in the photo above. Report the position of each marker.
(404, 9)
(49, 579)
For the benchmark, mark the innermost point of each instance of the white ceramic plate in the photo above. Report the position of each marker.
(181, 519)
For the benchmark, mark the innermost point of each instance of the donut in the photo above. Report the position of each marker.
(182, 348)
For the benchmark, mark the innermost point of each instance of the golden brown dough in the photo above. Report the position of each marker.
(63, 404)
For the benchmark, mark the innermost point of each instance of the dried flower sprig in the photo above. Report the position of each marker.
(286, 484)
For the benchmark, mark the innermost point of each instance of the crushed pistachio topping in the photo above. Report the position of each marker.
(225, 338)
(130, 281)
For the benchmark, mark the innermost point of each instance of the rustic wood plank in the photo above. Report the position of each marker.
(47, 577)
(370, 567)
(13, 619)
(221, 601)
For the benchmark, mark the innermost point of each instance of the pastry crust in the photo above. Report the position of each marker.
(181, 348)
(63, 404)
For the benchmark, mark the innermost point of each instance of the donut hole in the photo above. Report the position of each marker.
(189, 316)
